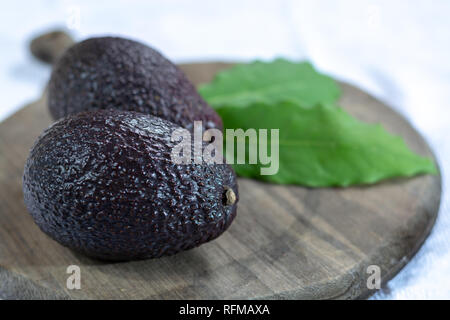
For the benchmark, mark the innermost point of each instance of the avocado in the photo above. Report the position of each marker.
(103, 183)
(109, 71)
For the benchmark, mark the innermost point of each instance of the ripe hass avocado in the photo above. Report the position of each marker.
(109, 71)
(103, 183)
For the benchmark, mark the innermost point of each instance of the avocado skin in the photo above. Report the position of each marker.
(102, 183)
(109, 71)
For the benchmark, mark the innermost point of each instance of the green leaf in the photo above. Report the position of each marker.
(324, 146)
(270, 82)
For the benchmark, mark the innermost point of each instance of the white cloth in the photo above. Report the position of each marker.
(397, 50)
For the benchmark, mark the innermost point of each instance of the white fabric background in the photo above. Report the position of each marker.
(397, 50)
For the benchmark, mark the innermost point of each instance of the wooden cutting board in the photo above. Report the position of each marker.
(287, 242)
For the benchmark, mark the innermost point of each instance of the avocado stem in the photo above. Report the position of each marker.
(230, 196)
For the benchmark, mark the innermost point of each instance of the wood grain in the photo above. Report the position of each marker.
(287, 242)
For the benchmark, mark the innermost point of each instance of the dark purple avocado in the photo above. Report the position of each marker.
(109, 71)
(103, 183)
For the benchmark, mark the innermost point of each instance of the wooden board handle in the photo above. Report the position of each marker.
(49, 46)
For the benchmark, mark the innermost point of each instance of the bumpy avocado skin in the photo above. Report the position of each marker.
(100, 72)
(103, 183)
